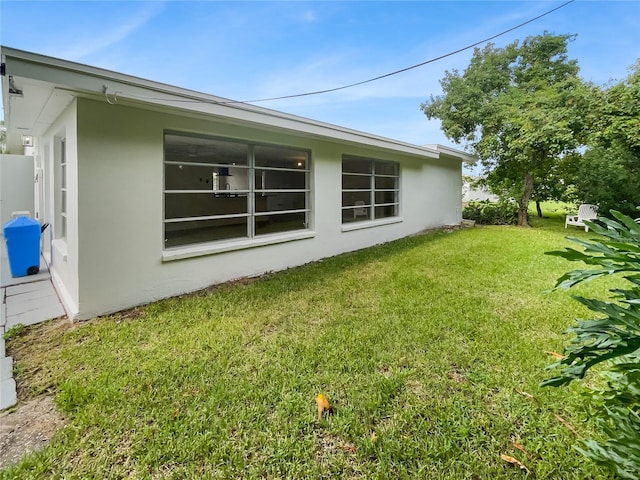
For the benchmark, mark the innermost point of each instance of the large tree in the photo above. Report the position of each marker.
(618, 118)
(608, 173)
(519, 108)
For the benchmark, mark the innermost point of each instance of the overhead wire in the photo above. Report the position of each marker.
(351, 85)
(402, 70)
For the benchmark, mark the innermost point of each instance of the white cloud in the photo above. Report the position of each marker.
(84, 47)
(309, 16)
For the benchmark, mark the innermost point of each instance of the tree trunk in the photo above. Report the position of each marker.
(538, 209)
(523, 203)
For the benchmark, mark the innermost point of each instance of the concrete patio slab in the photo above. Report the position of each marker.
(36, 304)
(27, 300)
(5, 273)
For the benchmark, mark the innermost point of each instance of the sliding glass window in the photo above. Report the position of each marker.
(218, 189)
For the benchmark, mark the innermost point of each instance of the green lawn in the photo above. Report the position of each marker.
(430, 349)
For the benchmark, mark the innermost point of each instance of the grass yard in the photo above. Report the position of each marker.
(430, 349)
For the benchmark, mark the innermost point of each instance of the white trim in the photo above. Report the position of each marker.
(198, 250)
(452, 152)
(60, 246)
(371, 223)
(65, 297)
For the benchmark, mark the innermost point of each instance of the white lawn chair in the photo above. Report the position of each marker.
(585, 212)
(360, 210)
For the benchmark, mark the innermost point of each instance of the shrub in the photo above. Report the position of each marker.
(612, 340)
(503, 212)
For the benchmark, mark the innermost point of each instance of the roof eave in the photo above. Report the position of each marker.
(453, 153)
(84, 79)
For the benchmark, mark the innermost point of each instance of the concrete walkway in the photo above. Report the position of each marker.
(27, 301)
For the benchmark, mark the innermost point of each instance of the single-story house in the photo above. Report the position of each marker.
(152, 190)
(474, 192)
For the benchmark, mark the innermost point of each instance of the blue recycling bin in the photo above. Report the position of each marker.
(22, 235)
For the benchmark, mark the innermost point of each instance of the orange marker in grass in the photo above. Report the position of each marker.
(323, 405)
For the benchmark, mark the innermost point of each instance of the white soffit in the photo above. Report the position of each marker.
(37, 108)
(57, 102)
(25, 108)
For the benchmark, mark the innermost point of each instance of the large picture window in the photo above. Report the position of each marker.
(216, 189)
(370, 189)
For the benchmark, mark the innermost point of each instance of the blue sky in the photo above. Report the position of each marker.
(249, 50)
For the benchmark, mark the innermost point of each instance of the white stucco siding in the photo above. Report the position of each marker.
(120, 195)
(120, 202)
(442, 185)
(63, 253)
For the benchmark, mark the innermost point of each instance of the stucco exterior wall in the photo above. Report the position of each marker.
(120, 206)
(62, 253)
(439, 182)
(16, 186)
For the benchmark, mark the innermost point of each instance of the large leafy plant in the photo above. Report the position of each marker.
(611, 339)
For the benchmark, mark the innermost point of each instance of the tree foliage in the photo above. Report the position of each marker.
(618, 118)
(519, 108)
(607, 177)
(608, 174)
(611, 340)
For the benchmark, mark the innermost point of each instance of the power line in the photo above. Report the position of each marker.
(329, 90)
(114, 96)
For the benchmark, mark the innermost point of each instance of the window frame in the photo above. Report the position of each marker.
(251, 213)
(372, 189)
(61, 188)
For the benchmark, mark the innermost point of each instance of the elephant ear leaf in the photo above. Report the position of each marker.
(611, 339)
(618, 250)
